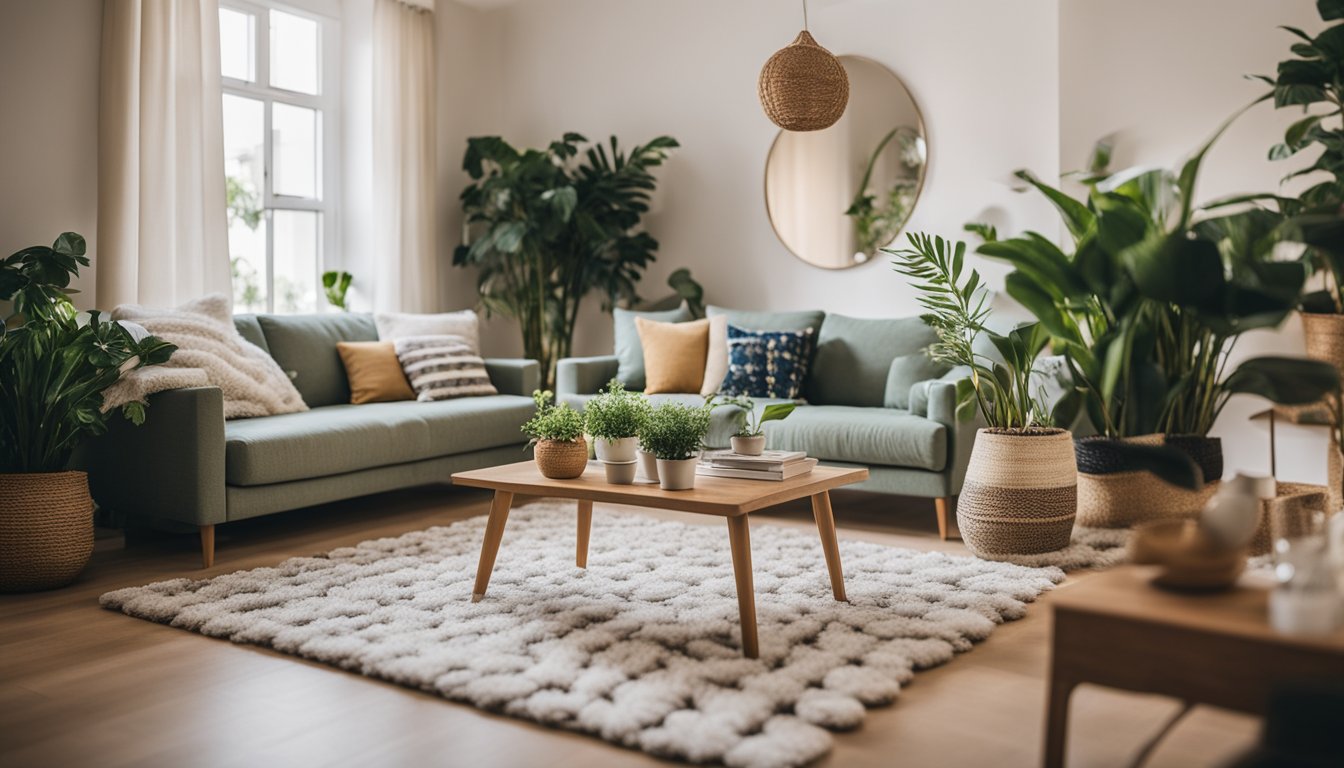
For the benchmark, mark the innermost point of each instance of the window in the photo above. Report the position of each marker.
(280, 117)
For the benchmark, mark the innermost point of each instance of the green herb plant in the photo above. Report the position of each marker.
(616, 413)
(675, 431)
(558, 423)
(748, 421)
(335, 286)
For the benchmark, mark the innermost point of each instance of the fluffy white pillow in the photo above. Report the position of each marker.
(442, 367)
(716, 362)
(396, 325)
(252, 382)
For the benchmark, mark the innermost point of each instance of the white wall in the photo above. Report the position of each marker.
(1161, 76)
(49, 52)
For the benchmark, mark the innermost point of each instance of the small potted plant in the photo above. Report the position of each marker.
(749, 439)
(557, 434)
(614, 418)
(674, 434)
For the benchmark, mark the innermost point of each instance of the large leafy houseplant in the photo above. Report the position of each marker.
(54, 368)
(546, 227)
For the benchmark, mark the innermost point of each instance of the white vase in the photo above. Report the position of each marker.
(621, 472)
(748, 446)
(677, 474)
(648, 466)
(619, 450)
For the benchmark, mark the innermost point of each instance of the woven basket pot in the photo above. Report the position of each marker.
(803, 87)
(1325, 337)
(1292, 499)
(1334, 476)
(1114, 494)
(46, 529)
(562, 459)
(1020, 494)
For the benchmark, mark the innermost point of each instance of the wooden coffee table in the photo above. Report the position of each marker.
(725, 497)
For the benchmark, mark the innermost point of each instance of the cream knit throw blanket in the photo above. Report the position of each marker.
(252, 382)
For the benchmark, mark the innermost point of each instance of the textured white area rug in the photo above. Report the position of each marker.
(642, 648)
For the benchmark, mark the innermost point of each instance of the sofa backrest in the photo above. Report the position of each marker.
(854, 359)
(305, 347)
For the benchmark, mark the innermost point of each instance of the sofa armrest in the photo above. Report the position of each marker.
(942, 408)
(584, 375)
(514, 376)
(169, 468)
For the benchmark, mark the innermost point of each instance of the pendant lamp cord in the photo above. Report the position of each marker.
(805, 15)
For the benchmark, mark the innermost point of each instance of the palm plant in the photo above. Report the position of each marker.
(545, 229)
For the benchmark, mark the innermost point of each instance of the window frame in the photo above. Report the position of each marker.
(327, 102)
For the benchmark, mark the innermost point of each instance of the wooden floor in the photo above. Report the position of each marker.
(80, 686)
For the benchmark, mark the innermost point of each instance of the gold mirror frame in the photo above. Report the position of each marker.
(916, 134)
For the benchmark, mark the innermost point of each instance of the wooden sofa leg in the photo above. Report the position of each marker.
(942, 504)
(207, 546)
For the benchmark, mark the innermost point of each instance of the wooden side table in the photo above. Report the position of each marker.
(1115, 629)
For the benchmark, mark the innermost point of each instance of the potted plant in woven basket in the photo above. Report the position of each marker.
(674, 434)
(749, 439)
(1020, 491)
(1145, 310)
(53, 370)
(560, 449)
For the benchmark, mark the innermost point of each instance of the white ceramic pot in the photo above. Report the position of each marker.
(748, 446)
(648, 466)
(621, 449)
(621, 472)
(677, 474)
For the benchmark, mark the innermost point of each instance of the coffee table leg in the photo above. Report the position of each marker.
(739, 536)
(821, 510)
(494, 533)
(585, 525)
(1057, 720)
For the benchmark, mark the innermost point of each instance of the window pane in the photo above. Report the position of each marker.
(295, 148)
(294, 58)
(243, 175)
(237, 58)
(297, 235)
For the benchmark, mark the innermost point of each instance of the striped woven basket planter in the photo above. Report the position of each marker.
(1020, 495)
(1113, 494)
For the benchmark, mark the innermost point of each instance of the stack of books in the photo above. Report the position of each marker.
(770, 465)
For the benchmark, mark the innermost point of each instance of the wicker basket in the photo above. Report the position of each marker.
(46, 529)
(562, 459)
(1291, 498)
(1112, 494)
(803, 87)
(1020, 494)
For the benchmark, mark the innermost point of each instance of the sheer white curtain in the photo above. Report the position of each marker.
(404, 166)
(162, 233)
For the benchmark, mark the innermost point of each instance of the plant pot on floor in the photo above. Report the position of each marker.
(677, 474)
(751, 445)
(562, 459)
(46, 529)
(619, 450)
(1325, 337)
(1020, 493)
(1113, 493)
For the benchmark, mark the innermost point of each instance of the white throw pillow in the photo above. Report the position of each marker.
(443, 367)
(252, 382)
(716, 362)
(396, 325)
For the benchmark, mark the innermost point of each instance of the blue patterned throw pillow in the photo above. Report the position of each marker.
(767, 363)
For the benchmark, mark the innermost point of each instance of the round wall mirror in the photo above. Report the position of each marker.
(838, 195)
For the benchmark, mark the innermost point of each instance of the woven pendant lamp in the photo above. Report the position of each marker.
(803, 87)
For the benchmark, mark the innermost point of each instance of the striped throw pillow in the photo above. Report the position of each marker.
(443, 367)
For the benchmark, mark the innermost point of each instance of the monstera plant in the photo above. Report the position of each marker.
(545, 228)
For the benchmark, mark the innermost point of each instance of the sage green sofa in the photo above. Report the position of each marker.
(872, 398)
(187, 465)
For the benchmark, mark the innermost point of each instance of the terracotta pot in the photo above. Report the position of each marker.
(1112, 493)
(46, 529)
(562, 459)
(619, 450)
(748, 446)
(1020, 495)
(677, 474)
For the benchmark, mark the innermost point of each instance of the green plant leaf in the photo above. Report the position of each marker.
(1330, 9)
(777, 411)
(1284, 380)
(1171, 465)
(1076, 215)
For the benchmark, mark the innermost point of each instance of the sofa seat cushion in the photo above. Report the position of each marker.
(347, 438)
(874, 436)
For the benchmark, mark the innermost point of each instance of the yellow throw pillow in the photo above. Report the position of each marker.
(374, 372)
(674, 355)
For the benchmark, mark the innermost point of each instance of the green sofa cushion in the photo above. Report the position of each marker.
(854, 355)
(875, 436)
(305, 347)
(771, 321)
(629, 350)
(347, 438)
(250, 329)
(905, 372)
